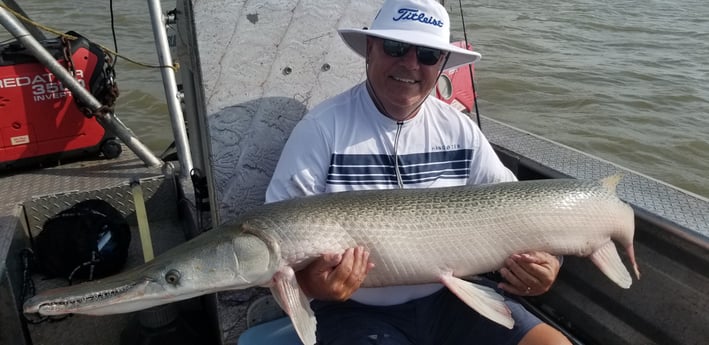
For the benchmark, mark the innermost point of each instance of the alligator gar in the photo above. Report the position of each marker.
(414, 236)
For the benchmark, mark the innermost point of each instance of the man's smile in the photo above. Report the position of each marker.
(404, 80)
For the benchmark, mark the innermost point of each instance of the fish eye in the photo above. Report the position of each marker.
(172, 277)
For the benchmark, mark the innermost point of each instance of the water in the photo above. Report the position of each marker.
(627, 81)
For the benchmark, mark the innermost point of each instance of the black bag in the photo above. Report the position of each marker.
(89, 240)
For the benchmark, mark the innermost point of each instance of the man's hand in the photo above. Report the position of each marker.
(335, 277)
(529, 274)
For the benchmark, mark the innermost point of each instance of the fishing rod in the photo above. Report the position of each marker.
(470, 66)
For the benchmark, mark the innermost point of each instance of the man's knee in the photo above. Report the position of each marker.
(543, 334)
(371, 338)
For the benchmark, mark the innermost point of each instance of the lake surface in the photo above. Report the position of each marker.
(626, 81)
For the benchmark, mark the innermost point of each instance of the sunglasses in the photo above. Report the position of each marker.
(425, 56)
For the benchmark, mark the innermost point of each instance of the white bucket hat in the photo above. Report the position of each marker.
(418, 22)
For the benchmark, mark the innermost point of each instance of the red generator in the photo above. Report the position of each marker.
(40, 121)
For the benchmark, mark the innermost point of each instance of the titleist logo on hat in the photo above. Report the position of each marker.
(422, 23)
(415, 15)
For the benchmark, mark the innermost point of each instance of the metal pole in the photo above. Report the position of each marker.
(108, 120)
(179, 130)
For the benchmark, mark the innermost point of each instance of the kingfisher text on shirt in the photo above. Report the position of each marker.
(415, 15)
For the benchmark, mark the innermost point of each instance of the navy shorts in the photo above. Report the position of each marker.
(440, 318)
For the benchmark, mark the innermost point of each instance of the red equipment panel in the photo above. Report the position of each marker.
(455, 86)
(39, 118)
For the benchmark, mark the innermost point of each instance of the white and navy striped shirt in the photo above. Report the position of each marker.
(346, 144)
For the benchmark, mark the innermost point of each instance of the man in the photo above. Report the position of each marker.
(387, 133)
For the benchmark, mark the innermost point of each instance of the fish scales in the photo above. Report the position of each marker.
(413, 234)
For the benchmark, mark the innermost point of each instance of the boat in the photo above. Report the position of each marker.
(249, 71)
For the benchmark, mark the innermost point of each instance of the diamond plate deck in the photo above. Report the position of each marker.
(29, 197)
(19, 186)
(687, 210)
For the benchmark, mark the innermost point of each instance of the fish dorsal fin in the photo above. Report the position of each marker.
(606, 258)
(481, 298)
(291, 298)
(611, 182)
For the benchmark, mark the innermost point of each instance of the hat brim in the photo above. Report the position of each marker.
(356, 39)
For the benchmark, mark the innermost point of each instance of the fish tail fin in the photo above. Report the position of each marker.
(606, 258)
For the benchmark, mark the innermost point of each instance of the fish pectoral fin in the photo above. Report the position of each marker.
(482, 299)
(606, 258)
(293, 301)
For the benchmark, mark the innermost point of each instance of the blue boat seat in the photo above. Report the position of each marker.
(277, 332)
